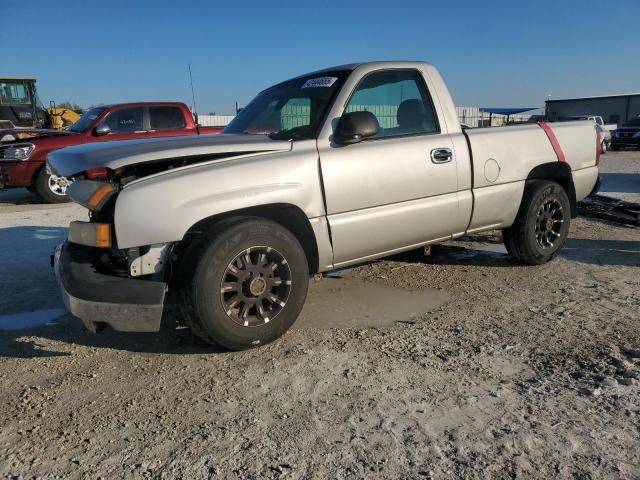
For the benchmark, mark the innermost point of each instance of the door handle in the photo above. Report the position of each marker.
(441, 155)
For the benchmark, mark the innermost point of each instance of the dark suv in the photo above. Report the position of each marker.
(627, 135)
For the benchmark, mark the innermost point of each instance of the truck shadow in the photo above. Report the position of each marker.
(30, 294)
(481, 251)
(58, 338)
(490, 252)
(619, 183)
(19, 196)
(32, 316)
(602, 252)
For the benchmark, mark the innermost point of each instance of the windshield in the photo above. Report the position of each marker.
(635, 122)
(292, 110)
(85, 121)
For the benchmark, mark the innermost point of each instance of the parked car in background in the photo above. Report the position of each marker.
(597, 119)
(346, 165)
(22, 161)
(601, 128)
(627, 135)
(605, 137)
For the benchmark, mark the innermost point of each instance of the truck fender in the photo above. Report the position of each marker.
(289, 216)
(170, 207)
(559, 172)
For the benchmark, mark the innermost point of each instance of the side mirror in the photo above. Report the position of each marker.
(354, 127)
(103, 129)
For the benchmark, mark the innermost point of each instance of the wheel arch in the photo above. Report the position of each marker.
(560, 173)
(36, 172)
(287, 215)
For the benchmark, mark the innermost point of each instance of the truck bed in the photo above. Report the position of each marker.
(503, 157)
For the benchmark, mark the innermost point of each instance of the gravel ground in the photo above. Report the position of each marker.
(512, 372)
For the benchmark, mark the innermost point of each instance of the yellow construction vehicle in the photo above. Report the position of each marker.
(61, 118)
(20, 107)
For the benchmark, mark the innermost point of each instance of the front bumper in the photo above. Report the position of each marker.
(18, 174)
(625, 142)
(126, 304)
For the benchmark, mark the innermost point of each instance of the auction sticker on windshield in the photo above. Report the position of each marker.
(319, 82)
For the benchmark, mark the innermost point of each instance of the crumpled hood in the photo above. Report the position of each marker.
(73, 160)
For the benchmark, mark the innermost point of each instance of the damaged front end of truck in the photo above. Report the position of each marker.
(102, 282)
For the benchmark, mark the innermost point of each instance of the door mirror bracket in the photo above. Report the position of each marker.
(353, 127)
(103, 129)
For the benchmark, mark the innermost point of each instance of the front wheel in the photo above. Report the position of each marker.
(542, 223)
(244, 283)
(52, 188)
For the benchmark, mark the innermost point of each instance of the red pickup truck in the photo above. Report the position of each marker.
(22, 161)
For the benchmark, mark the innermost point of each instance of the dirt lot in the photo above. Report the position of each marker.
(461, 364)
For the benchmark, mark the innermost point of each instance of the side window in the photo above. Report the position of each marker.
(166, 118)
(398, 99)
(125, 120)
(295, 113)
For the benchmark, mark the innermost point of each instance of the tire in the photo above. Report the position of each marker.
(541, 225)
(256, 304)
(50, 188)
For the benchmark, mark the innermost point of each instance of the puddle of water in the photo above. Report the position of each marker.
(24, 320)
(351, 303)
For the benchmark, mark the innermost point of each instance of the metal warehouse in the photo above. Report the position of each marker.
(614, 109)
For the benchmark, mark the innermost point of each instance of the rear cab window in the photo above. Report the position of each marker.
(166, 118)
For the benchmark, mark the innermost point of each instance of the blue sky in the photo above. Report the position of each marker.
(491, 53)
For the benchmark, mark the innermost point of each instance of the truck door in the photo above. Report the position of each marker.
(398, 188)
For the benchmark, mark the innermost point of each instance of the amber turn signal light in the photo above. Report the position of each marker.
(90, 234)
(100, 194)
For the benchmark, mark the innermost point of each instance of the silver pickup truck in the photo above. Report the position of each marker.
(328, 169)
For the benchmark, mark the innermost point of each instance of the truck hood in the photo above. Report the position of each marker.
(34, 133)
(113, 155)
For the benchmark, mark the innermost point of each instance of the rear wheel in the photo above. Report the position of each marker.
(52, 188)
(245, 283)
(542, 223)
